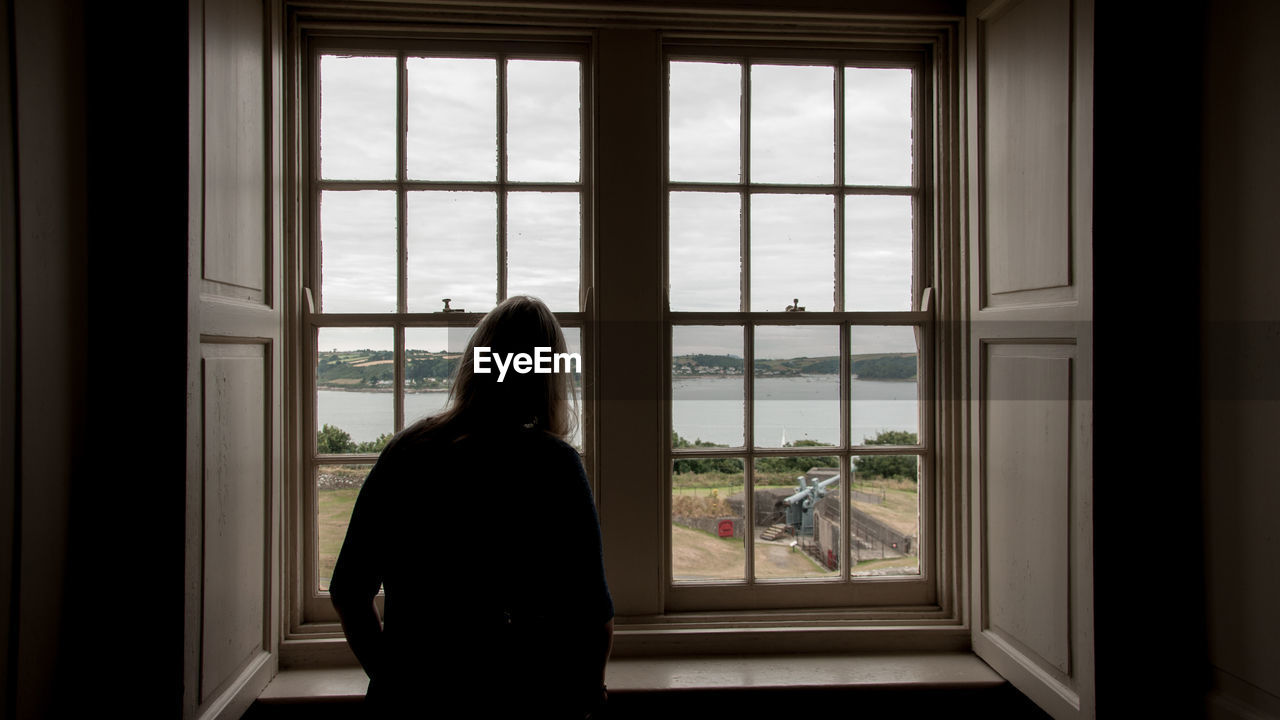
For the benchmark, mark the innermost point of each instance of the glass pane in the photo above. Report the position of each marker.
(452, 118)
(357, 118)
(797, 386)
(357, 251)
(573, 341)
(336, 489)
(543, 247)
(705, 251)
(878, 253)
(355, 372)
(707, 525)
(543, 121)
(792, 124)
(792, 252)
(797, 509)
(877, 126)
(884, 520)
(707, 393)
(430, 356)
(704, 122)
(453, 250)
(885, 407)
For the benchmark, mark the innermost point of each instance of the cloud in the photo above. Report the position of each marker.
(452, 119)
(357, 118)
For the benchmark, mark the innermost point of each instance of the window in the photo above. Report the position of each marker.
(794, 269)
(696, 206)
(443, 177)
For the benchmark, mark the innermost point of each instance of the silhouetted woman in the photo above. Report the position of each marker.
(479, 524)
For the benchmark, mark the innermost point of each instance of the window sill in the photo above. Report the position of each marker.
(889, 671)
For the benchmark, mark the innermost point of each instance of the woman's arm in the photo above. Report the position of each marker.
(357, 575)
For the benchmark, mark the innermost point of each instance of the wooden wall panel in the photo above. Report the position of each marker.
(235, 170)
(236, 477)
(1026, 498)
(1025, 55)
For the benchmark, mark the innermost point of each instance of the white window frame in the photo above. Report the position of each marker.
(917, 613)
(758, 593)
(312, 605)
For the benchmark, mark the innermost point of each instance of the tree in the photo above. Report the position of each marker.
(906, 467)
(333, 439)
(374, 446)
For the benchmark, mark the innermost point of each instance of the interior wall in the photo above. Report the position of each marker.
(99, 142)
(48, 57)
(1148, 582)
(1241, 378)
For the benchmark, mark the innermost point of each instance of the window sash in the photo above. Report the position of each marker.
(753, 593)
(312, 604)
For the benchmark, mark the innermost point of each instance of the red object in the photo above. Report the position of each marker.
(831, 559)
(726, 528)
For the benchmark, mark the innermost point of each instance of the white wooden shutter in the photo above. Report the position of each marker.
(234, 354)
(1029, 124)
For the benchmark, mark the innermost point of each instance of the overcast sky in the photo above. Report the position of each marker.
(452, 136)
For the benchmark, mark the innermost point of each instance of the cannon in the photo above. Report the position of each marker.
(801, 503)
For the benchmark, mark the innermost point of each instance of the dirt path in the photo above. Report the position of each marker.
(699, 556)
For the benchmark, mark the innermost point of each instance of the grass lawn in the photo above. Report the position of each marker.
(335, 513)
(900, 509)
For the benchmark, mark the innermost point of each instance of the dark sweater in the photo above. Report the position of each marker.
(488, 550)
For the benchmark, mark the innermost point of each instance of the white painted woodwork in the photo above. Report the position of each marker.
(235, 198)
(1029, 122)
(236, 530)
(1027, 476)
(1024, 84)
(234, 385)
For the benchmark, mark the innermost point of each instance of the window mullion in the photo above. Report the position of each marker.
(838, 198)
(502, 177)
(748, 434)
(744, 134)
(402, 241)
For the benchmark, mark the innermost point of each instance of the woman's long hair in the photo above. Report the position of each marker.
(479, 404)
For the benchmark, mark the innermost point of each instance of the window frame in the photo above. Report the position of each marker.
(782, 593)
(649, 620)
(313, 606)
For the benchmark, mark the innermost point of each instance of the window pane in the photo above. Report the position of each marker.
(885, 405)
(797, 517)
(705, 251)
(797, 386)
(336, 489)
(453, 119)
(877, 126)
(355, 372)
(453, 250)
(543, 247)
(357, 118)
(430, 356)
(357, 251)
(792, 252)
(543, 120)
(704, 122)
(707, 391)
(707, 524)
(573, 341)
(884, 521)
(878, 253)
(792, 124)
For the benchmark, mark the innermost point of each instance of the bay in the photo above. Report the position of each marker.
(704, 408)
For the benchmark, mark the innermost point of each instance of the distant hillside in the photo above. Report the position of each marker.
(365, 369)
